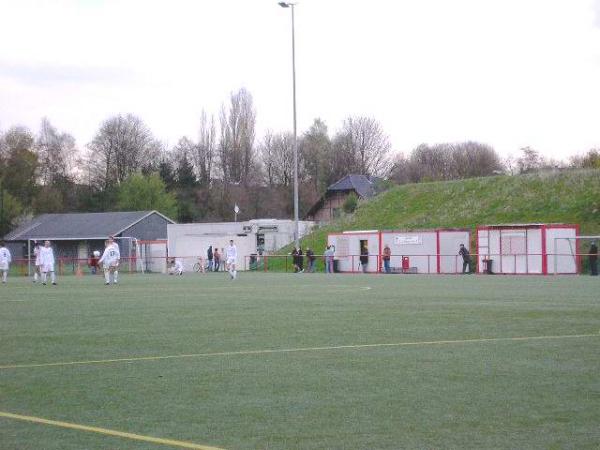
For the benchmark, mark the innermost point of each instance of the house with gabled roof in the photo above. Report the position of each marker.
(329, 206)
(76, 235)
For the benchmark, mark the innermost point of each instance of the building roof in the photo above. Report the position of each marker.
(78, 226)
(361, 184)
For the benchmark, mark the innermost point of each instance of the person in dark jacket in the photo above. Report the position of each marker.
(593, 259)
(466, 257)
(364, 258)
(295, 259)
(209, 256)
(300, 260)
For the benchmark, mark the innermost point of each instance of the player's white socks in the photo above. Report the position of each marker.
(52, 277)
(107, 276)
(4, 277)
(115, 276)
(44, 277)
(35, 277)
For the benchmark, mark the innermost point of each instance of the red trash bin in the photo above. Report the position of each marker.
(405, 263)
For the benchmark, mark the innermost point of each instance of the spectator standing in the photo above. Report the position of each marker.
(310, 257)
(593, 258)
(295, 259)
(387, 255)
(210, 256)
(364, 258)
(300, 260)
(328, 256)
(217, 258)
(466, 258)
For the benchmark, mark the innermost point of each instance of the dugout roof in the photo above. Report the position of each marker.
(79, 226)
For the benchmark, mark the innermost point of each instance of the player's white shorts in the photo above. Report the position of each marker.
(111, 264)
(47, 268)
(230, 261)
(3, 266)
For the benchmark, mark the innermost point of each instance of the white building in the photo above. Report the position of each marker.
(259, 236)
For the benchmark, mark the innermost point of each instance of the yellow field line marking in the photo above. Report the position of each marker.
(294, 350)
(107, 432)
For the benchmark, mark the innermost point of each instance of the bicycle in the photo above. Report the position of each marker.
(200, 266)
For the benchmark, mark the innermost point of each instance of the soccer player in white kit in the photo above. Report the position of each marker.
(176, 267)
(231, 260)
(47, 263)
(110, 261)
(37, 271)
(5, 260)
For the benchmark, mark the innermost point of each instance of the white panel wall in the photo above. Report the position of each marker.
(534, 250)
(450, 261)
(483, 248)
(421, 254)
(489, 242)
(347, 245)
(565, 260)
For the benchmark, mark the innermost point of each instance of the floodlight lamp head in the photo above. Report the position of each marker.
(284, 4)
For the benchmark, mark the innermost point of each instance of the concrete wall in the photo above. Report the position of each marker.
(187, 244)
(277, 233)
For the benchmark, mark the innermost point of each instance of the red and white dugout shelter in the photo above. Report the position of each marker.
(416, 251)
(534, 248)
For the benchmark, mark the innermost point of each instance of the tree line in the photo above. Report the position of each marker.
(125, 167)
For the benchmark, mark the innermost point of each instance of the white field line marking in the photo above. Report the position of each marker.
(300, 349)
(107, 432)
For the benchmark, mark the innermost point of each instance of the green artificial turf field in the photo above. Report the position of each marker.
(310, 361)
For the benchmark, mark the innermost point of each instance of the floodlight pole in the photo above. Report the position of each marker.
(296, 231)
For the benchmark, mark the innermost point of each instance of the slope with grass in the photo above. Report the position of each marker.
(562, 197)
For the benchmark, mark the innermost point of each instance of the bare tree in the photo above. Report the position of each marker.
(530, 160)
(362, 147)
(205, 150)
(315, 151)
(473, 159)
(236, 146)
(266, 151)
(56, 152)
(123, 145)
(430, 163)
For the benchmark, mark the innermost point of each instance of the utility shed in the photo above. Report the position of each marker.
(414, 251)
(530, 248)
(426, 251)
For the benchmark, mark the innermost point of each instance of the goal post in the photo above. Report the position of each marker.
(569, 251)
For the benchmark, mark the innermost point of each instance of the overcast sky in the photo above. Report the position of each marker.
(509, 73)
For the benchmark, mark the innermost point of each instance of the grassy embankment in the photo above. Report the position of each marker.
(562, 197)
